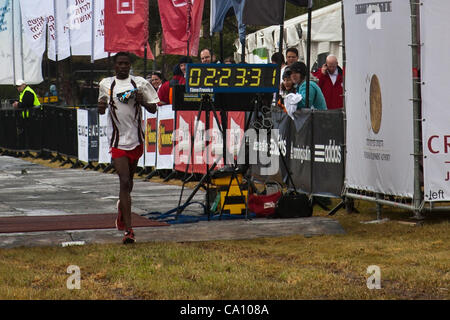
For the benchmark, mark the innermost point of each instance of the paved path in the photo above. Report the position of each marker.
(29, 189)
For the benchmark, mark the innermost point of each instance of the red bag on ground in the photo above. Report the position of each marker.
(263, 205)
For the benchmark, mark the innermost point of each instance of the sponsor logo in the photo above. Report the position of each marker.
(181, 3)
(165, 137)
(125, 6)
(150, 136)
(376, 107)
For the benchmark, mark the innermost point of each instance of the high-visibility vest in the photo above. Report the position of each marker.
(26, 113)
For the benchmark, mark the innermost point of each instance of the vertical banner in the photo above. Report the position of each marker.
(17, 60)
(263, 12)
(164, 153)
(181, 22)
(151, 132)
(235, 134)
(126, 26)
(184, 121)
(103, 144)
(141, 162)
(81, 14)
(7, 30)
(199, 125)
(379, 89)
(435, 100)
(300, 149)
(282, 142)
(93, 134)
(58, 31)
(328, 164)
(34, 23)
(215, 148)
(83, 135)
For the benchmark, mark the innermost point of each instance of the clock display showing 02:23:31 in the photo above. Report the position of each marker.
(226, 75)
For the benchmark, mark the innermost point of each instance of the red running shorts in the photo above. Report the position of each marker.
(132, 155)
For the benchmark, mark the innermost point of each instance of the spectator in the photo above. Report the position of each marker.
(27, 97)
(287, 87)
(291, 55)
(156, 79)
(316, 98)
(331, 78)
(278, 58)
(178, 78)
(229, 60)
(206, 56)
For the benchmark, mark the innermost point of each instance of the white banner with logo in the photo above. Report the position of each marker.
(34, 23)
(104, 127)
(81, 13)
(166, 126)
(83, 135)
(37, 19)
(58, 31)
(17, 60)
(151, 135)
(435, 99)
(378, 97)
(141, 162)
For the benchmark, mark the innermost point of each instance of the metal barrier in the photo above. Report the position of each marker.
(50, 128)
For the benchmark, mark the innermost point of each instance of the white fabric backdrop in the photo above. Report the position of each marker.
(379, 162)
(435, 99)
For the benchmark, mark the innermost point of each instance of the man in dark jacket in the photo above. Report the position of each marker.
(331, 78)
(164, 92)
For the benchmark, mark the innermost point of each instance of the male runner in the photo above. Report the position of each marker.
(124, 95)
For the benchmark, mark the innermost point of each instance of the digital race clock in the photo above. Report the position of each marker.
(224, 78)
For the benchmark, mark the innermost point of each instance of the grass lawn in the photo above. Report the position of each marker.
(414, 261)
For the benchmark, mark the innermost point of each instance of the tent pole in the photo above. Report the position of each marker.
(280, 42)
(145, 61)
(308, 54)
(417, 103)
(92, 96)
(308, 77)
(13, 46)
(56, 49)
(221, 46)
(21, 47)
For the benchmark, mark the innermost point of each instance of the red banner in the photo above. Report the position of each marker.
(181, 21)
(126, 27)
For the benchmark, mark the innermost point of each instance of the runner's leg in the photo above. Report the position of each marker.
(123, 171)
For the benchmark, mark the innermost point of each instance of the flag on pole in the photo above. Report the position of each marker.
(58, 32)
(126, 26)
(81, 14)
(49, 15)
(263, 12)
(220, 9)
(181, 21)
(34, 22)
(17, 60)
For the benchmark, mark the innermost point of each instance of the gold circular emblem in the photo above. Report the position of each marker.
(375, 104)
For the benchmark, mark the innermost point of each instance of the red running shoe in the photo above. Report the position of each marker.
(120, 224)
(129, 237)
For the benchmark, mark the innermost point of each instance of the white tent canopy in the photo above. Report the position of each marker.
(326, 36)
